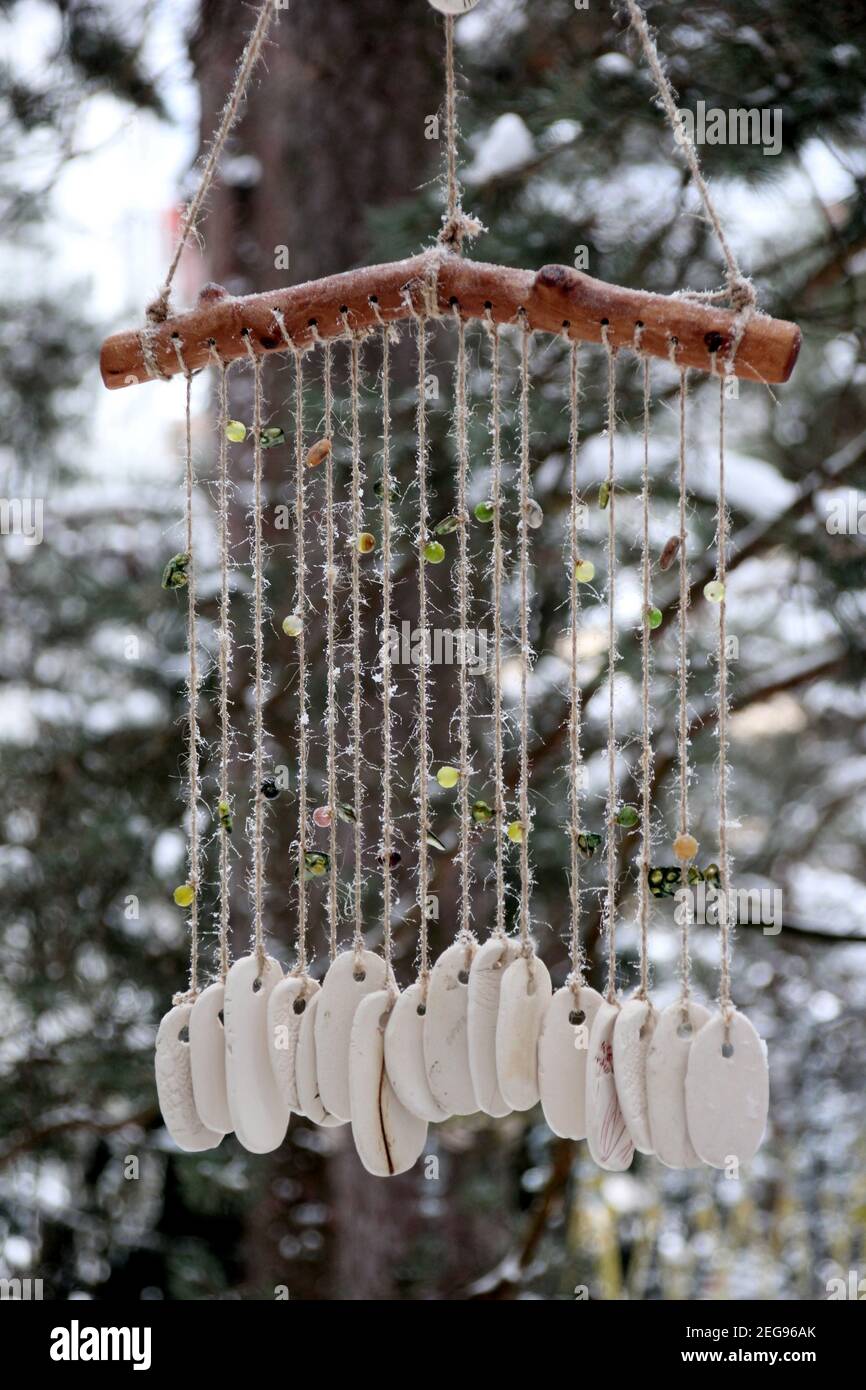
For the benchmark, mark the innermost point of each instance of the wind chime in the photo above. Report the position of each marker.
(481, 1027)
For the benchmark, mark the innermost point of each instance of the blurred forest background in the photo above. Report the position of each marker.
(563, 148)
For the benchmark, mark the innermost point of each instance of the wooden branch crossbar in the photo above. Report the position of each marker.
(555, 300)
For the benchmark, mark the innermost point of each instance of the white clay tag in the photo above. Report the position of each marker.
(632, 1036)
(446, 1050)
(174, 1084)
(404, 1056)
(667, 1062)
(563, 1049)
(306, 1071)
(523, 1001)
(606, 1132)
(285, 1013)
(258, 1111)
(727, 1097)
(350, 978)
(388, 1138)
(207, 1056)
(489, 964)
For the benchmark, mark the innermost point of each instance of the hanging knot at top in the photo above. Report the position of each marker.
(457, 227)
(742, 293)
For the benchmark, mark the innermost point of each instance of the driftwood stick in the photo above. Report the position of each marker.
(555, 300)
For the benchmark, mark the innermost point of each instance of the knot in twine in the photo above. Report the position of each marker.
(457, 227)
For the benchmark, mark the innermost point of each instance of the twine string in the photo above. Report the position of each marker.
(357, 761)
(646, 756)
(726, 915)
(303, 693)
(193, 681)
(387, 720)
(609, 911)
(331, 660)
(457, 226)
(423, 772)
(525, 647)
(575, 758)
(258, 817)
(225, 659)
(461, 414)
(498, 584)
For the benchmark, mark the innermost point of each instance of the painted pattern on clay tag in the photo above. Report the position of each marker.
(351, 976)
(446, 1048)
(388, 1138)
(632, 1036)
(404, 1056)
(606, 1132)
(260, 1115)
(306, 1069)
(174, 1084)
(523, 1002)
(489, 964)
(207, 1056)
(563, 1050)
(667, 1062)
(286, 1007)
(727, 1096)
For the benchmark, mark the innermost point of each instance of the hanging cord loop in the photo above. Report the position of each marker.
(457, 226)
(740, 291)
(157, 312)
(577, 978)
(609, 911)
(225, 663)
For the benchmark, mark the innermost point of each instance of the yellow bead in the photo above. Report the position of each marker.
(184, 895)
(515, 832)
(366, 543)
(685, 847)
(584, 571)
(293, 625)
(448, 777)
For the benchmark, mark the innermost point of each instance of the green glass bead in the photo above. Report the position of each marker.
(654, 618)
(714, 592)
(224, 812)
(604, 496)
(485, 511)
(515, 832)
(316, 864)
(236, 431)
(587, 844)
(176, 573)
(627, 817)
(184, 895)
(482, 812)
(271, 436)
(447, 525)
(434, 552)
(448, 777)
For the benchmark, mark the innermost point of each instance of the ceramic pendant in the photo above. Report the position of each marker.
(489, 964)
(667, 1062)
(727, 1096)
(258, 1111)
(523, 1001)
(350, 978)
(453, 6)
(632, 1036)
(285, 1013)
(388, 1138)
(446, 1049)
(563, 1049)
(306, 1070)
(174, 1084)
(606, 1132)
(207, 1056)
(404, 1056)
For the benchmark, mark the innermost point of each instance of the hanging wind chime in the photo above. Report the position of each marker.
(481, 1027)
